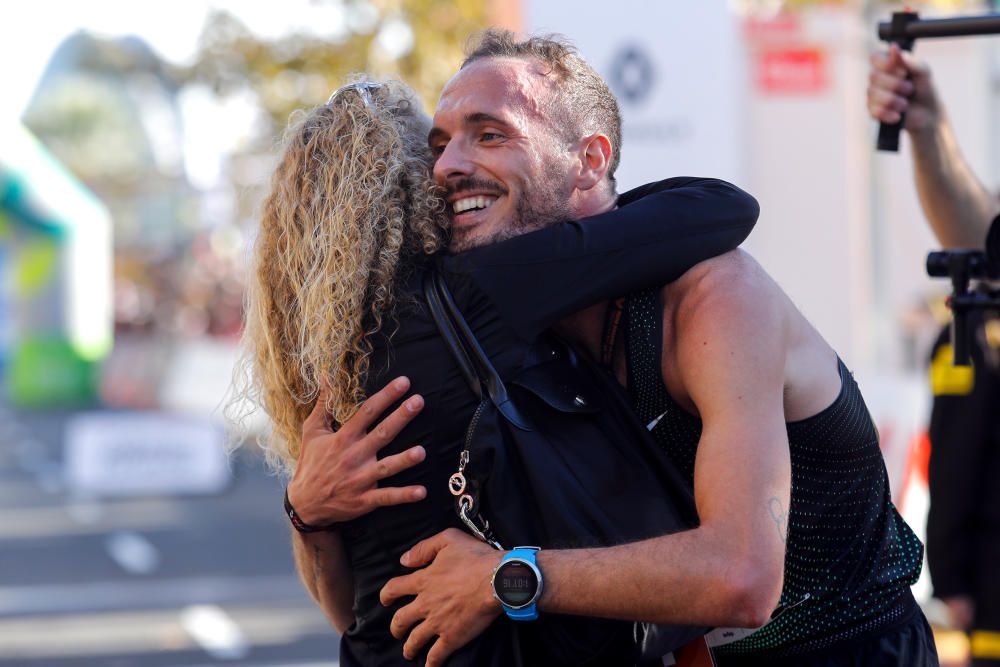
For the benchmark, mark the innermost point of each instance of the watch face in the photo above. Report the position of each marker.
(515, 584)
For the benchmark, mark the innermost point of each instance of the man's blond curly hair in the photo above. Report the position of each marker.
(352, 207)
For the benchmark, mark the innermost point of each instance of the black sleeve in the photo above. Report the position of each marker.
(658, 232)
(963, 415)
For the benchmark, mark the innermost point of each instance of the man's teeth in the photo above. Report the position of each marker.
(469, 203)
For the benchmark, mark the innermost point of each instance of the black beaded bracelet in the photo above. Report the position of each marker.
(297, 522)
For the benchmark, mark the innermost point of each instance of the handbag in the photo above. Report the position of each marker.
(555, 457)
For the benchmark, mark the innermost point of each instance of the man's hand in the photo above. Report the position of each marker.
(957, 205)
(454, 597)
(891, 93)
(337, 475)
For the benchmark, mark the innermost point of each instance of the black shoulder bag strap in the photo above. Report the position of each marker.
(446, 327)
(485, 383)
(472, 360)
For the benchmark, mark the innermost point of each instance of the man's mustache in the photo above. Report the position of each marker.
(477, 185)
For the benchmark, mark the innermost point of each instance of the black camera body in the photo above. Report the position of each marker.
(963, 267)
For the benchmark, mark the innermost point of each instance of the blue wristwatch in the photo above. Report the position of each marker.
(517, 583)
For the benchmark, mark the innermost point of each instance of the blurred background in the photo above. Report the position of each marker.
(136, 143)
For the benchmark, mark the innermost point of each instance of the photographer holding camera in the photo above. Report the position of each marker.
(963, 525)
(956, 203)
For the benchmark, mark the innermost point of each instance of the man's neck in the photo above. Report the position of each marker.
(586, 204)
(585, 327)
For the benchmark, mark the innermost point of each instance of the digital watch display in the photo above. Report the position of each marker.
(517, 584)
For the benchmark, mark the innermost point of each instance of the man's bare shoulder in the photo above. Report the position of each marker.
(725, 306)
(726, 329)
(728, 311)
(733, 282)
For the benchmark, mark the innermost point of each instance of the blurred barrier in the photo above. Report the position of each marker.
(56, 239)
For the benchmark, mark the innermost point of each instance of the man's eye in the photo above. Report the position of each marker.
(490, 136)
(437, 150)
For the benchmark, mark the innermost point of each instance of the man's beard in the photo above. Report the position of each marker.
(545, 205)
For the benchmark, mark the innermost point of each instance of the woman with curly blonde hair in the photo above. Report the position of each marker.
(352, 210)
(352, 224)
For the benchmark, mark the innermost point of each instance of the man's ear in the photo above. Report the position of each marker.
(595, 159)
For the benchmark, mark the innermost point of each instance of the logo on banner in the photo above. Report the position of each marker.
(632, 74)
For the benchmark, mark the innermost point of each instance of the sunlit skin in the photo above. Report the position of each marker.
(491, 139)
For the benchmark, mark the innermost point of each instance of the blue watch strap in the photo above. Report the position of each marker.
(530, 611)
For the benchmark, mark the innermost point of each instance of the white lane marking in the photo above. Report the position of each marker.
(215, 632)
(92, 635)
(143, 594)
(27, 523)
(133, 552)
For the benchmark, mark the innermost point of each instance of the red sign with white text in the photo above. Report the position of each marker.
(792, 70)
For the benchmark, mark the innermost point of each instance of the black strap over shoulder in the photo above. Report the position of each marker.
(472, 360)
(448, 333)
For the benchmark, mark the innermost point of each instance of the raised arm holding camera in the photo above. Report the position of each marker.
(963, 526)
(958, 206)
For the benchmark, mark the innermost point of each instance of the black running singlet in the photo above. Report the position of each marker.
(850, 559)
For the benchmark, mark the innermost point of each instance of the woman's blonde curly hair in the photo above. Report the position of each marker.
(352, 206)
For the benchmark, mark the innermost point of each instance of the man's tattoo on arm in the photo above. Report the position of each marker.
(780, 517)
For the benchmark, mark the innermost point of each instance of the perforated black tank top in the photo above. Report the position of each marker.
(850, 558)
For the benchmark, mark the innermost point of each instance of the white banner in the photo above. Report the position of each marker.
(675, 69)
(134, 453)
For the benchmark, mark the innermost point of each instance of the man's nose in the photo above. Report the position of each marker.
(453, 162)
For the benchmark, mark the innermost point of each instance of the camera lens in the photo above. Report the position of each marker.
(937, 264)
(993, 248)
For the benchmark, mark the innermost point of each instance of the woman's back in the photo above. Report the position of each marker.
(376, 541)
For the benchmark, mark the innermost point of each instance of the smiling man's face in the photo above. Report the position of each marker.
(501, 160)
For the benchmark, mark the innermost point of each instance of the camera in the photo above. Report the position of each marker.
(963, 267)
